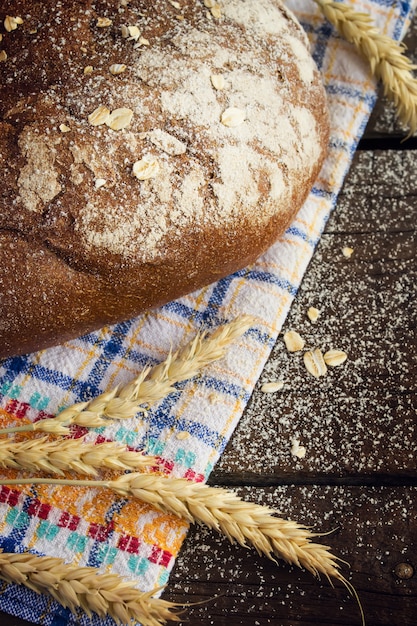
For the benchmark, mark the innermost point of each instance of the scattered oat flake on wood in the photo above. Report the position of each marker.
(293, 341)
(334, 357)
(297, 450)
(313, 314)
(272, 386)
(64, 128)
(314, 362)
(99, 182)
(11, 23)
(347, 252)
(3, 55)
(88, 70)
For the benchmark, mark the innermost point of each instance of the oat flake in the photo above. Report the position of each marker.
(334, 357)
(148, 167)
(293, 341)
(11, 23)
(297, 450)
(103, 22)
(233, 117)
(314, 362)
(218, 82)
(117, 68)
(272, 386)
(99, 116)
(119, 118)
(313, 314)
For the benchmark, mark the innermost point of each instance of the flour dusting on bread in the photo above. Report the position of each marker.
(153, 147)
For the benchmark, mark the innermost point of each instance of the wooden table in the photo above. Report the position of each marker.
(358, 479)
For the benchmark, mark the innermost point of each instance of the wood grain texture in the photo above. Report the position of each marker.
(374, 529)
(358, 422)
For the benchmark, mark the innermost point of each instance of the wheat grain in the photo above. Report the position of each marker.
(385, 55)
(55, 457)
(150, 386)
(86, 588)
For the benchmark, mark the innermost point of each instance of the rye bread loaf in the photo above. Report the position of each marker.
(148, 149)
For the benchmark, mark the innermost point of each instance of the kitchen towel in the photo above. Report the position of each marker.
(96, 528)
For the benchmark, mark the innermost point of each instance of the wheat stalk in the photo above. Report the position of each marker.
(86, 588)
(150, 386)
(54, 457)
(385, 55)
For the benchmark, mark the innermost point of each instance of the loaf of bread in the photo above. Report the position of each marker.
(148, 149)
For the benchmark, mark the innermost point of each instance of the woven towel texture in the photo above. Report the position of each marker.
(92, 527)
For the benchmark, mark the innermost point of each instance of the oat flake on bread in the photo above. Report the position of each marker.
(75, 255)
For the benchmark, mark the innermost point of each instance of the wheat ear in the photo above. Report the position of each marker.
(385, 55)
(186, 362)
(218, 509)
(222, 510)
(150, 386)
(86, 588)
(238, 520)
(55, 457)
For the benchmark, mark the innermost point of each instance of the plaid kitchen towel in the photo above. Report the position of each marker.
(95, 528)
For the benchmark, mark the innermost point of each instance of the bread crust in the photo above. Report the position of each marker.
(84, 242)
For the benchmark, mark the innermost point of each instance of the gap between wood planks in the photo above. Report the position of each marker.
(245, 479)
(394, 142)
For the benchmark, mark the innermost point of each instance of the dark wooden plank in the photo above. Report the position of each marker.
(374, 529)
(10, 620)
(358, 423)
